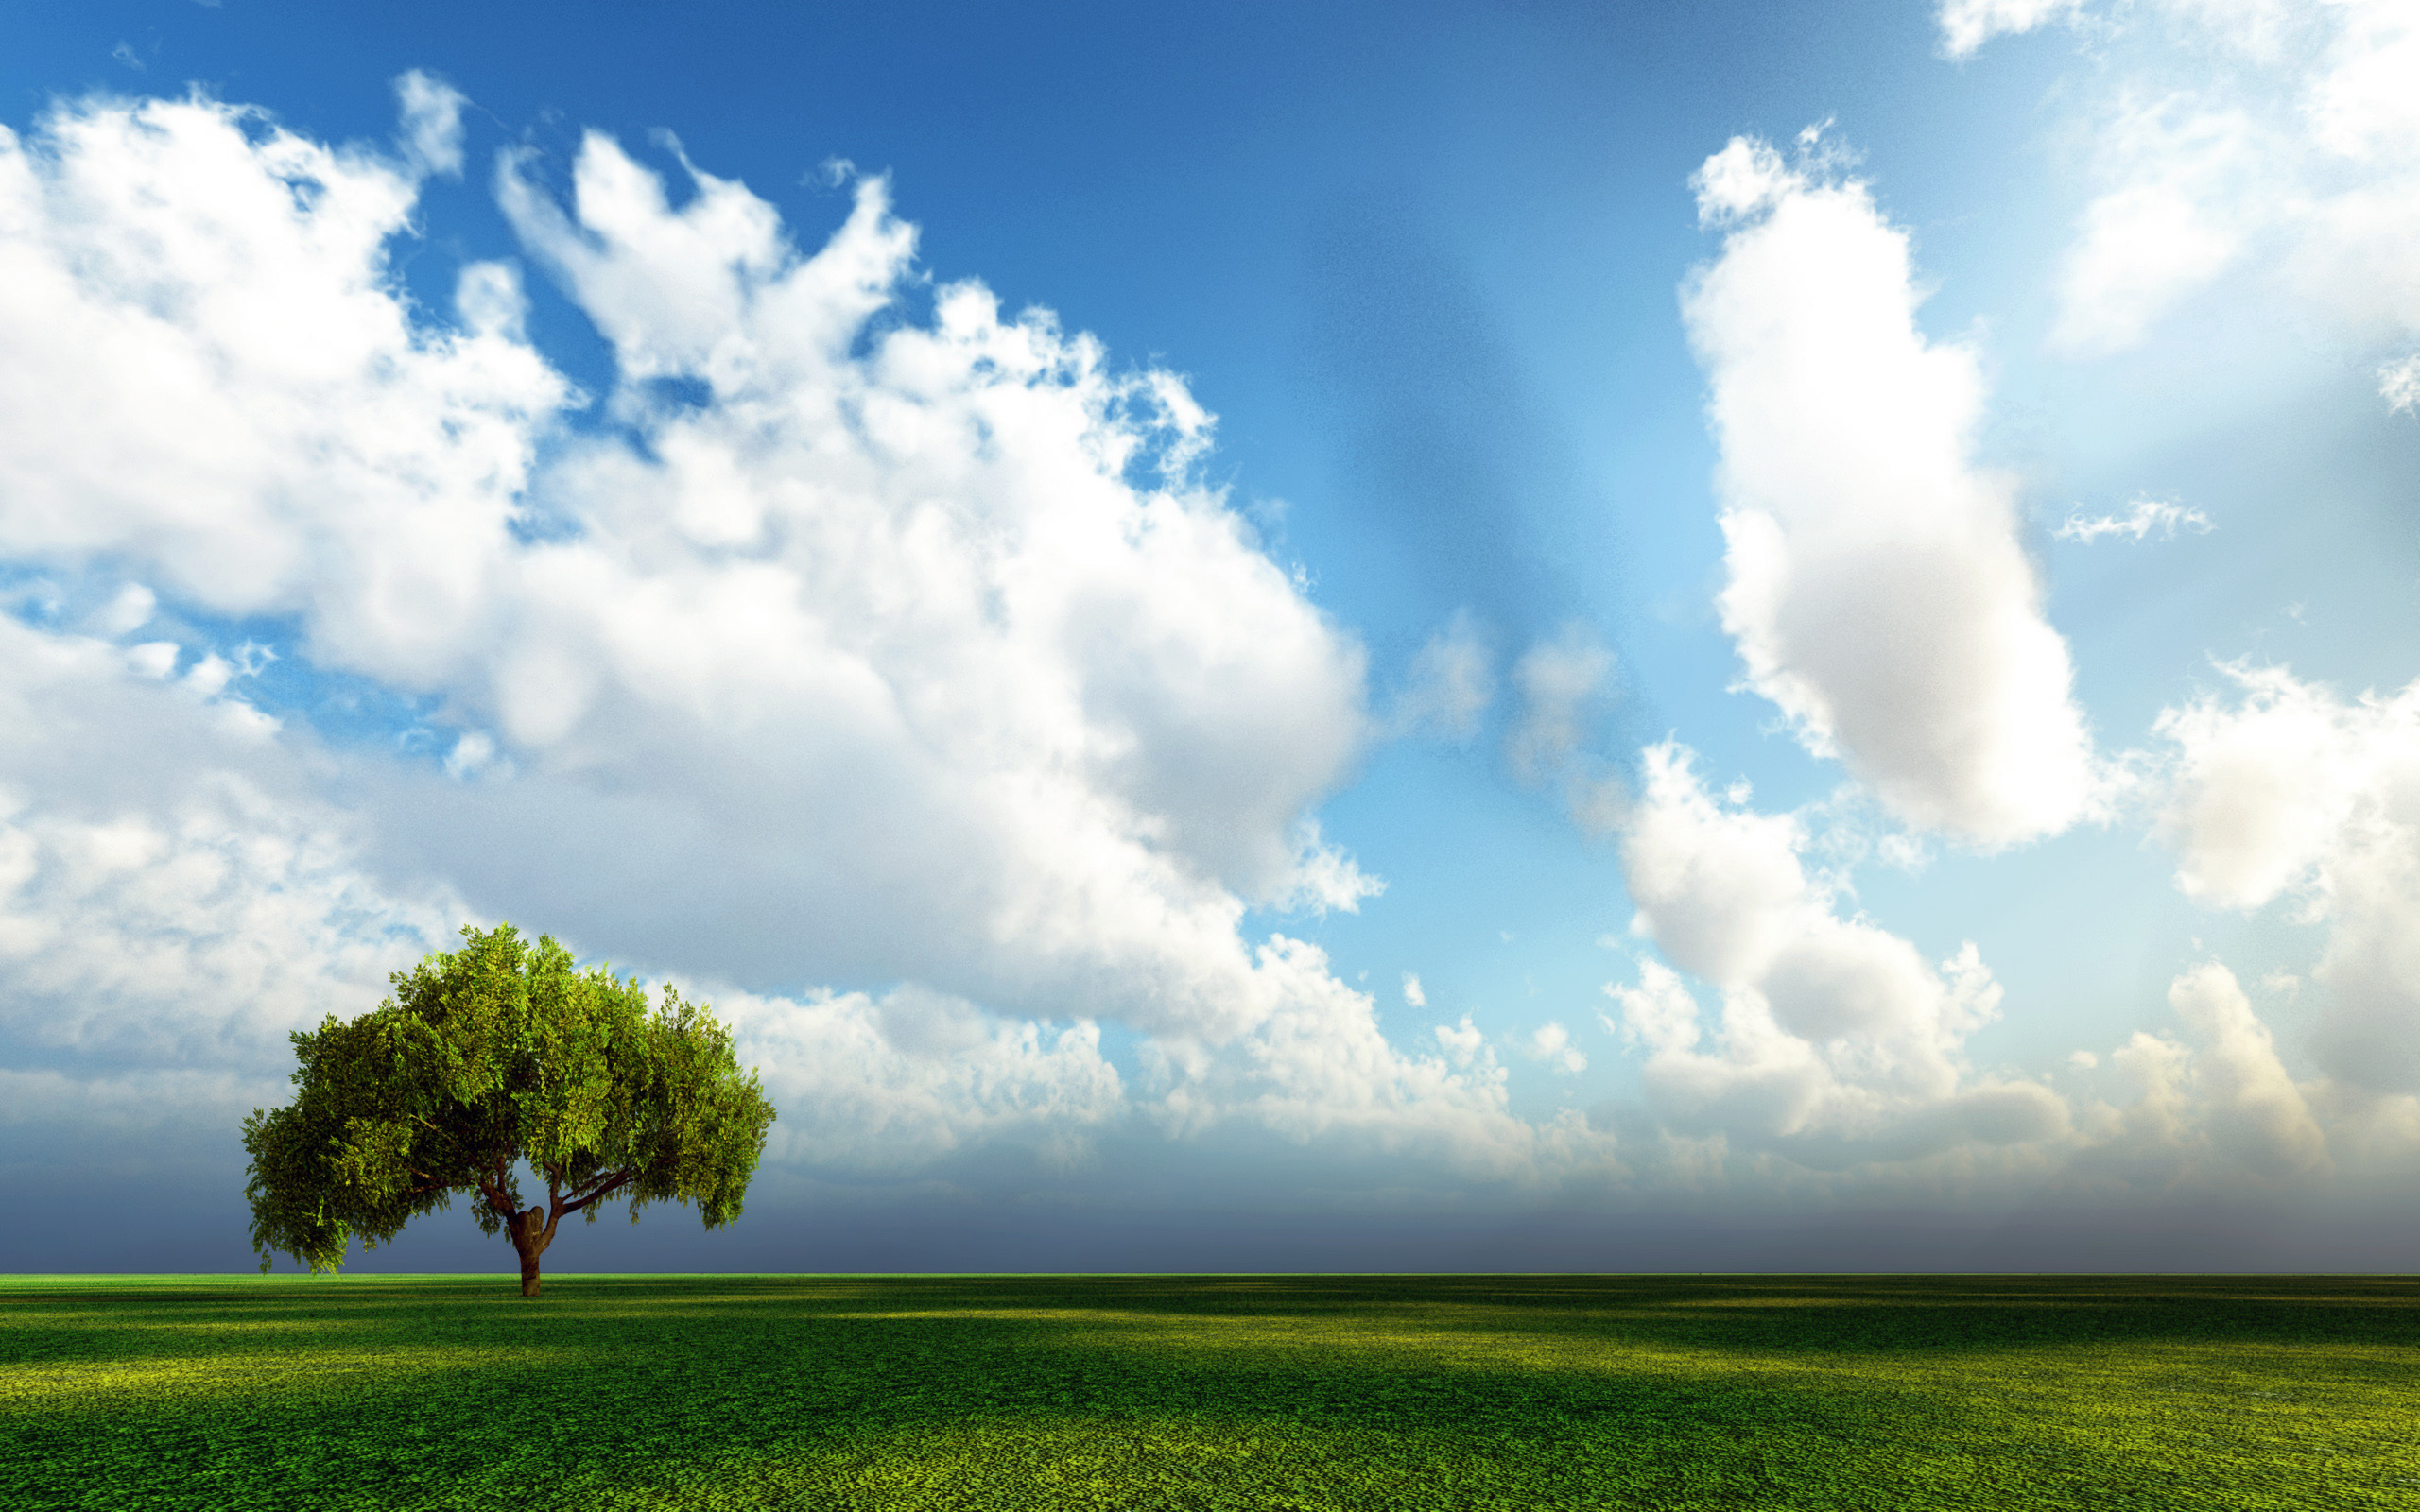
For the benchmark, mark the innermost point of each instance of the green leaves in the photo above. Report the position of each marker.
(488, 1056)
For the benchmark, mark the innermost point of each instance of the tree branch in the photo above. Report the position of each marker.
(439, 1132)
(613, 1182)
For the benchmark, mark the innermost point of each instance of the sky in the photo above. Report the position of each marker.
(1534, 636)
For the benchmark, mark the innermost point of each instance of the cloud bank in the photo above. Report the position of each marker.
(853, 635)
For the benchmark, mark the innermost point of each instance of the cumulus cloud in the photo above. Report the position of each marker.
(175, 893)
(893, 1082)
(2285, 137)
(2145, 516)
(1317, 1067)
(1552, 1044)
(2288, 790)
(852, 638)
(1463, 1042)
(210, 378)
(1837, 1041)
(1876, 587)
(2257, 1114)
(878, 653)
(2216, 1110)
(1414, 995)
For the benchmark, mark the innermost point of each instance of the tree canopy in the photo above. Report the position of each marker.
(488, 1056)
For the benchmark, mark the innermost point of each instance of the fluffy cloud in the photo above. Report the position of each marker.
(1837, 1041)
(2213, 1113)
(1878, 589)
(2289, 790)
(174, 888)
(2257, 1115)
(2282, 135)
(1317, 1067)
(845, 642)
(176, 894)
(1552, 1044)
(868, 652)
(891, 1083)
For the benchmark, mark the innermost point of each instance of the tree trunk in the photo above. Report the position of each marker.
(529, 1237)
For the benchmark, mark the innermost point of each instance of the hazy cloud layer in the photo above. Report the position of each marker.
(2282, 137)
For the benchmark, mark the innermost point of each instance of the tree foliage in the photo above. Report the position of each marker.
(488, 1056)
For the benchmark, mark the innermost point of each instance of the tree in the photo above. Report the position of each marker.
(487, 1057)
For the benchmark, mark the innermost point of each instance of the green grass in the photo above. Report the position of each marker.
(1200, 1392)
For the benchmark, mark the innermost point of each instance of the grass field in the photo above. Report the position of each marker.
(1187, 1391)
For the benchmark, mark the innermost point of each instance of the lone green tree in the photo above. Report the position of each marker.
(486, 1058)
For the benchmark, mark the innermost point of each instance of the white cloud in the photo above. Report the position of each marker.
(207, 371)
(1412, 994)
(1562, 684)
(154, 658)
(2286, 137)
(1559, 680)
(2257, 1115)
(1462, 1042)
(432, 123)
(2289, 790)
(128, 609)
(2170, 228)
(2399, 385)
(1837, 1042)
(2214, 1114)
(472, 750)
(1552, 1044)
(878, 661)
(173, 892)
(1966, 24)
(1878, 589)
(1450, 686)
(863, 645)
(895, 1082)
(1317, 1067)
(2145, 516)
(1746, 178)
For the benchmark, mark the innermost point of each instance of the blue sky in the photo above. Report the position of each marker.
(1518, 636)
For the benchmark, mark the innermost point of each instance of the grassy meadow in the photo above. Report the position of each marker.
(1136, 1392)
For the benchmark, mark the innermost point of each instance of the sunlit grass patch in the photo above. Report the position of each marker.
(1211, 1392)
(68, 1384)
